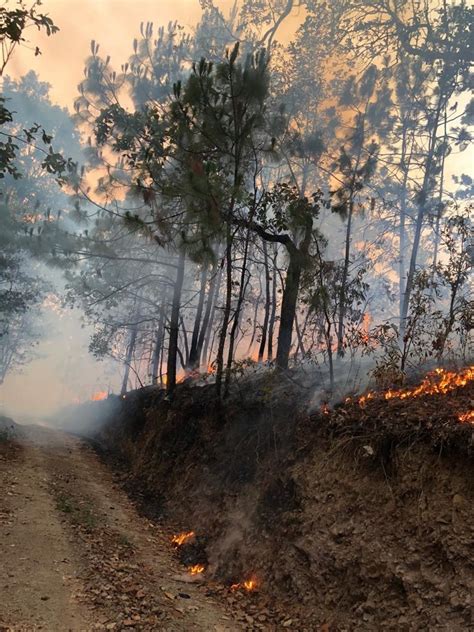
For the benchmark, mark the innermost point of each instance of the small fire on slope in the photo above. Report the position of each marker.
(249, 585)
(467, 418)
(438, 382)
(179, 539)
(197, 569)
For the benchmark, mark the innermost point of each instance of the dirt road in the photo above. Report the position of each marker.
(75, 554)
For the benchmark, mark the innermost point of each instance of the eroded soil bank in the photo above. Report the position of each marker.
(360, 519)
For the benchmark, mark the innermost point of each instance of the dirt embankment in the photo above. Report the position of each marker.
(360, 519)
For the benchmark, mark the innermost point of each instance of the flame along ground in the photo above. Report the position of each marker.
(179, 539)
(197, 569)
(467, 417)
(437, 382)
(249, 585)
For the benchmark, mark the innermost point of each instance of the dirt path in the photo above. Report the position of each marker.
(75, 555)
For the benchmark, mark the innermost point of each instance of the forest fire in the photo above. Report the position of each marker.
(467, 417)
(249, 585)
(99, 396)
(197, 569)
(438, 382)
(180, 539)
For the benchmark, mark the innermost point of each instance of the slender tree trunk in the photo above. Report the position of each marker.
(236, 321)
(345, 276)
(159, 340)
(255, 319)
(129, 358)
(184, 335)
(266, 317)
(420, 217)
(205, 358)
(403, 216)
(193, 361)
(300, 348)
(288, 310)
(226, 313)
(174, 325)
(271, 323)
(439, 210)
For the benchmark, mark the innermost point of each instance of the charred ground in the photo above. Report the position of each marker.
(356, 517)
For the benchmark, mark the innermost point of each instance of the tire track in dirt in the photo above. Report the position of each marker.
(77, 556)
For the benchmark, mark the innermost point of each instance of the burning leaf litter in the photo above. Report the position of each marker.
(197, 569)
(437, 382)
(467, 417)
(181, 538)
(249, 585)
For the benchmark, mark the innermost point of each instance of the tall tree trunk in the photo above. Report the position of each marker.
(160, 332)
(129, 358)
(184, 335)
(174, 325)
(405, 160)
(266, 317)
(238, 308)
(420, 216)
(271, 323)
(255, 319)
(300, 348)
(345, 276)
(226, 313)
(439, 210)
(193, 360)
(206, 330)
(288, 310)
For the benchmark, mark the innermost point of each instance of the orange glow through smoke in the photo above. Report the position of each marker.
(97, 397)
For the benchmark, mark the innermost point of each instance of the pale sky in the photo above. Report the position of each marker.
(111, 23)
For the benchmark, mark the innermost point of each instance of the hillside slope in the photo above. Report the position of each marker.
(356, 518)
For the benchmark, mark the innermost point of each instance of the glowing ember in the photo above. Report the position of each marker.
(325, 410)
(248, 585)
(181, 538)
(197, 569)
(97, 397)
(467, 418)
(438, 382)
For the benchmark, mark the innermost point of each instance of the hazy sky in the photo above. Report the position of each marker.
(111, 23)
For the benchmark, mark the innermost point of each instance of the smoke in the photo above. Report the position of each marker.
(62, 371)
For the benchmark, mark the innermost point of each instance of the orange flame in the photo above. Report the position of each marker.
(97, 397)
(249, 585)
(197, 569)
(181, 538)
(467, 418)
(438, 382)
